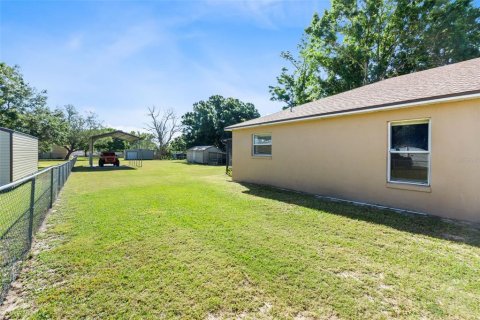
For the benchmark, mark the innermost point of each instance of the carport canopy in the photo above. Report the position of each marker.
(113, 134)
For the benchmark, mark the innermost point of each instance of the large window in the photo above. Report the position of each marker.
(409, 152)
(262, 144)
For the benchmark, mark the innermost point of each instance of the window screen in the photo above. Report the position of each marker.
(262, 144)
(409, 152)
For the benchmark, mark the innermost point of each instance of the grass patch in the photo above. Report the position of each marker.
(42, 164)
(171, 240)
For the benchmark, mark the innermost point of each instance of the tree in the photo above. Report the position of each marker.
(16, 96)
(178, 144)
(294, 89)
(147, 140)
(50, 127)
(80, 129)
(205, 125)
(24, 109)
(111, 144)
(355, 43)
(164, 125)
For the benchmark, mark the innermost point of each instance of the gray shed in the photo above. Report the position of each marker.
(139, 154)
(18, 155)
(206, 155)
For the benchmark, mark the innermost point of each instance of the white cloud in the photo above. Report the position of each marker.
(120, 65)
(131, 41)
(223, 76)
(75, 42)
(264, 13)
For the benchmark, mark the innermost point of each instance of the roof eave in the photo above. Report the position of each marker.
(406, 104)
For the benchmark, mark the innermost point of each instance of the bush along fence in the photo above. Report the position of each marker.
(23, 206)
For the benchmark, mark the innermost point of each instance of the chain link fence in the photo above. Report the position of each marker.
(23, 206)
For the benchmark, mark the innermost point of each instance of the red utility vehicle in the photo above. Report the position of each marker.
(108, 158)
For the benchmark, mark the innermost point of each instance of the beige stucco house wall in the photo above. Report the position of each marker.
(346, 157)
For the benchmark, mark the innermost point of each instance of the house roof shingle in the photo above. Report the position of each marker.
(452, 80)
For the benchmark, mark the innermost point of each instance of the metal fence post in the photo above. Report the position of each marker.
(51, 188)
(58, 180)
(32, 212)
(23, 221)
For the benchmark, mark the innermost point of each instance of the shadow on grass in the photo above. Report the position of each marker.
(101, 169)
(456, 231)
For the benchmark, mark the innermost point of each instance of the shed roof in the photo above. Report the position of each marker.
(450, 81)
(201, 148)
(17, 132)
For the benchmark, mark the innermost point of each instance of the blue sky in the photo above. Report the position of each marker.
(116, 58)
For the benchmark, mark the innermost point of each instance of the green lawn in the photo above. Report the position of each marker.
(42, 164)
(172, 240)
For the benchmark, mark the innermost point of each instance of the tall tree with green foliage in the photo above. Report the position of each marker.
(109, 143)
(16, 96)
(355, 43)
(178, 144)
(50, 127)
(80, 129)
(206, 123)
(24, 109)
(147, 140)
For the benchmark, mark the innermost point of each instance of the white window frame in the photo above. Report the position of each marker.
(262, 144)
(429, 152)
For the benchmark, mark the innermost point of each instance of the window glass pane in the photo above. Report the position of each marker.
(411, 137)
(409, 167)
(262, 139)
(262, 150)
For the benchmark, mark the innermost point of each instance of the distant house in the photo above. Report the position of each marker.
(206, 155)
(18, 155)
(56, 152)
(409, 142)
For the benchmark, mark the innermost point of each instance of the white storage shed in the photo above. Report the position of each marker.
(205, 155)
(18, 155)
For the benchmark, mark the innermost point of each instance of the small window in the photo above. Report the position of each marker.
(262, 144)
(409, 152)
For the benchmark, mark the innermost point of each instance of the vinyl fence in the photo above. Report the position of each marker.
(23, 206)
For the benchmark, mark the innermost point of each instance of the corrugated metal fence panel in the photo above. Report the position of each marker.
(147, 154)
(4, 157)
(139, 154)
(130, 155)
(25, 155)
